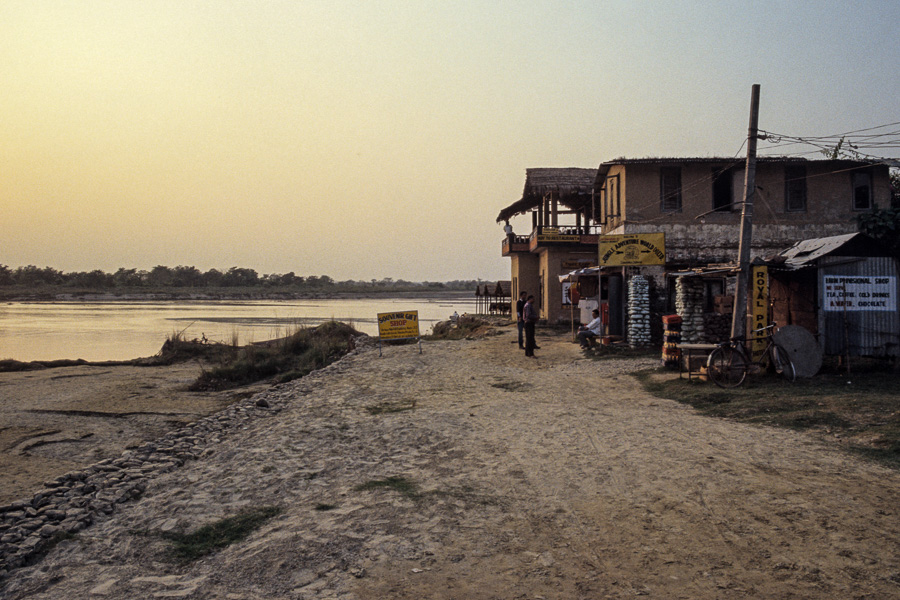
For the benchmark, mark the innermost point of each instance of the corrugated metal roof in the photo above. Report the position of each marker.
(806, 251)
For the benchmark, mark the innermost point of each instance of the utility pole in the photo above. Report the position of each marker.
(739, 318)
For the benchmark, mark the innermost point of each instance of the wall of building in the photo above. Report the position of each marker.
(714, 238)
(828, 189)
(550, 267)
(525, 276)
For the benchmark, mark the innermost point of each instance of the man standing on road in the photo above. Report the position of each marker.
(529, 313)
(520, 318)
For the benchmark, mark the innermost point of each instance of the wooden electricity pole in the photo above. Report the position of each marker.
(739, 318)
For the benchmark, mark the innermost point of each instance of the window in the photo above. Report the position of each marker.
(723, 190)
(613, 196)
(795, 188)
(670, 189)
(616, 194)
(862, 190)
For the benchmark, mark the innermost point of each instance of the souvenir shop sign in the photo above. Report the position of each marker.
(632, 250)
(398, 325)
(858, 293)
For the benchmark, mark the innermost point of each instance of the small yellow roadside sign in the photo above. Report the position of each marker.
(398, 325)
(632, 249)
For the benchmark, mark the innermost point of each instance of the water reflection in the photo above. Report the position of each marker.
(125, 330)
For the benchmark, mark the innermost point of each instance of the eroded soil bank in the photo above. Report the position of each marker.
(548, 478)
(57, 420)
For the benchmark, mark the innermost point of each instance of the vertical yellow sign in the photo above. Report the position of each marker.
(759, 308)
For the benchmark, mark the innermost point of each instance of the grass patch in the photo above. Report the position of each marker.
(281, 360)
(218, 535)
(511, 386)
(860, 414)
(600, 352)
(401, 485)
(391, 407)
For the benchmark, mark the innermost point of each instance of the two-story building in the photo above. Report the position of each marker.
(562, 238)
(697, 202)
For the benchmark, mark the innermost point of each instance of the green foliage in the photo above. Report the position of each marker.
(882, 225)
(172, 279)
(212, 537)
(281, 360)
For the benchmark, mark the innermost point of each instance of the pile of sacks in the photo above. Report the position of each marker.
(638, 311)
(689, 305)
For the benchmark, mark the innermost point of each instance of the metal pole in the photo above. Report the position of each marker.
(739, 318)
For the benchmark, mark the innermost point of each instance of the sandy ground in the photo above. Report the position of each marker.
(56, 420)
(550, 478)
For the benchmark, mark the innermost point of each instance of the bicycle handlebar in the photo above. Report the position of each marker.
(743, 338)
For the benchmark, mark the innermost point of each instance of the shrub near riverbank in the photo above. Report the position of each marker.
(281, 360)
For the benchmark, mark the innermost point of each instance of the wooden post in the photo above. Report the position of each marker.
(739, 317)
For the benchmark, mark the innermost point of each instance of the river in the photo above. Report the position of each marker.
(122, 330)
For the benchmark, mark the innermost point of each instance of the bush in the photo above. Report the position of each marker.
(281, 360)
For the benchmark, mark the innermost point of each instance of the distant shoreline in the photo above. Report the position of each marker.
(58, 294)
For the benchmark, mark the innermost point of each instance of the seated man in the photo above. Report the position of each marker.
(586, 333)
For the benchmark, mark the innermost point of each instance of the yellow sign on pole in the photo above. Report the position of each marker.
(398, 325)
(759, 303)
(632, 249)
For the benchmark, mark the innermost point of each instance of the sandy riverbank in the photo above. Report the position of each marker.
(548, 478)
(56, 420)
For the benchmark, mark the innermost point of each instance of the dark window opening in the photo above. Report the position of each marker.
(723, 190)
(670, 189)
(862, 191)
(713, 288)
(795, 189)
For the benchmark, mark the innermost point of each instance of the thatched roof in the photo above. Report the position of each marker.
(572, 185)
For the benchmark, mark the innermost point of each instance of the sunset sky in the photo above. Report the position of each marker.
(375, 139)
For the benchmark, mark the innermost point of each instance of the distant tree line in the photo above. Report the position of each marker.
(191, 277)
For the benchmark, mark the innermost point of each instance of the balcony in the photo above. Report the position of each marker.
(549, 236)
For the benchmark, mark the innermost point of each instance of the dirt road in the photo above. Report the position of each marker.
(550, 478)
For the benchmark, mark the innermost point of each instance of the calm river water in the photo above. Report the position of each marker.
(125, 330)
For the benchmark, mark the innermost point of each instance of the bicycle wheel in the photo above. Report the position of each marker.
(781, 360)
(726, 367)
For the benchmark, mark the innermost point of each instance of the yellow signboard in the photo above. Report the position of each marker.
(759, 305)
(632, 250)
(557, 237)
(398, 325)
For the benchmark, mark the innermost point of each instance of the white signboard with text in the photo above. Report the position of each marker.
(857, 293)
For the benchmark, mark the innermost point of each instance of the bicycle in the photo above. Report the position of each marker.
(730, 362)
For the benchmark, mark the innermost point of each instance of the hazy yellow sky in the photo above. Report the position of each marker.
(373, 139)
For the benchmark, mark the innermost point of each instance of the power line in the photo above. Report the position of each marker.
(850, 144)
